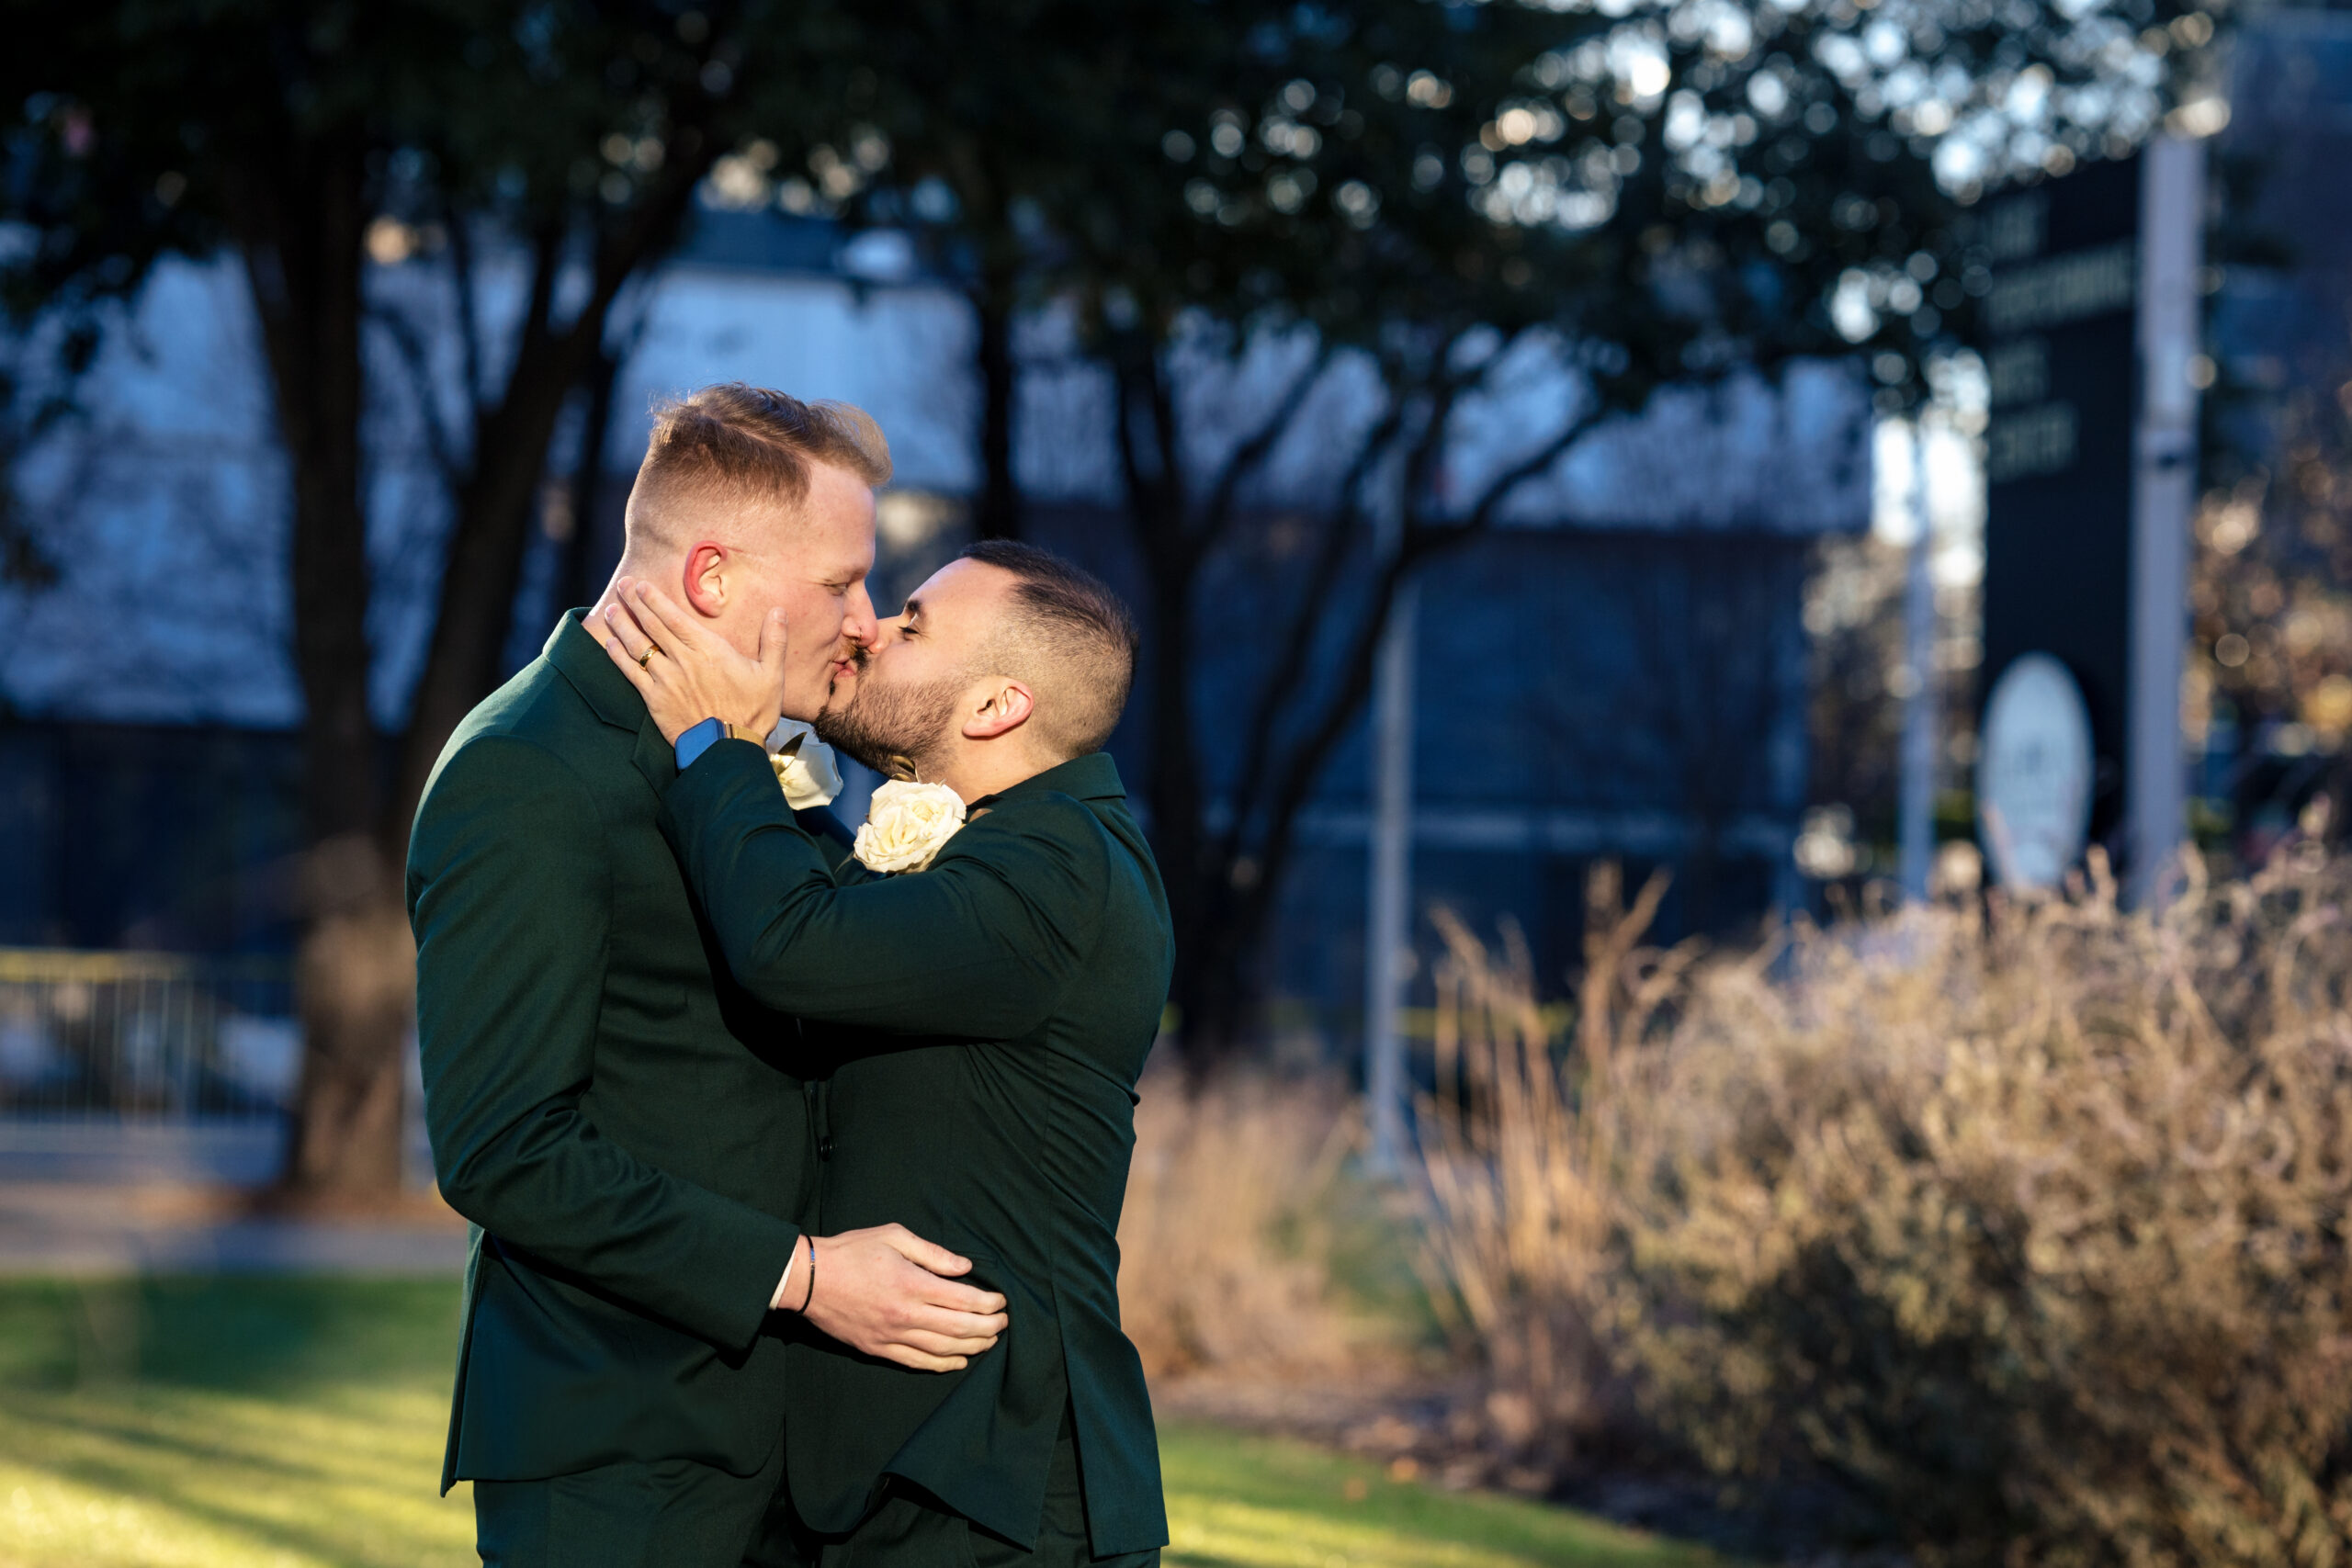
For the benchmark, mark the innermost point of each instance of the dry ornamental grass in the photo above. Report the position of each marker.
(2027, 1221)
(1218, 1266)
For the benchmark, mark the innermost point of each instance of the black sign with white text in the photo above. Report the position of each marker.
(2059, 351)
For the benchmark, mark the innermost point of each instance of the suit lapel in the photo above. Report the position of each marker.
(654, 757)
(579, 658)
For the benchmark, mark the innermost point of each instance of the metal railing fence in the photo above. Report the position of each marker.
(146, 1036)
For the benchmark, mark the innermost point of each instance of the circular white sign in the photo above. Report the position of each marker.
(2033, 773)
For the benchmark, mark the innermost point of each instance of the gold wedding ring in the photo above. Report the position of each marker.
(645, 660)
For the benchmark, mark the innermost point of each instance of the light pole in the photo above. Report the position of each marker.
(2163, 483)
(1387, 920)
(1917, 824)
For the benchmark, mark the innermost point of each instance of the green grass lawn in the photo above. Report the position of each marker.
(188, 1424)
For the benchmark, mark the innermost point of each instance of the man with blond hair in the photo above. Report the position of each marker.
(627, 1128)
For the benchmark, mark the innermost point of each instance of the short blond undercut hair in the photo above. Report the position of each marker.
(733, 448)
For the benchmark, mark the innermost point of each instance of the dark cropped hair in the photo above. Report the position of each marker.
(1069, 637)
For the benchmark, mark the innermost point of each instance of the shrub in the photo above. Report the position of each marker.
(2027, 1220)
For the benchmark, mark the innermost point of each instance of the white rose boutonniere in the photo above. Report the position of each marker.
(907, 824)
(803, 765)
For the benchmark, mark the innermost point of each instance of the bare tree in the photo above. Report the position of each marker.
(1680, 191)
(1227, 828)
(299, 140)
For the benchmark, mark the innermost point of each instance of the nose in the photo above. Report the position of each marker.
(858, 623)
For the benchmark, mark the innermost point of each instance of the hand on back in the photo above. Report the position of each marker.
(888, 1293)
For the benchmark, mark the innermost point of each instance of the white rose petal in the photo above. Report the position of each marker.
(907, 824)
(803, 765)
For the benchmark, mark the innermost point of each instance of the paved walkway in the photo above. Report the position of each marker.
(84, 1230)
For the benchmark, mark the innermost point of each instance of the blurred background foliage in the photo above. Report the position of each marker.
(1637, 194)
(2272, 595)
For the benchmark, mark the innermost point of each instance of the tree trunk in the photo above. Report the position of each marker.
(1219, 987)
(1193, 871)
(488, 541)
(299, 215)
(1000, 510)
(1241, 889)
(355, 973)
(576, 585)
(494, 505)
(300, 234)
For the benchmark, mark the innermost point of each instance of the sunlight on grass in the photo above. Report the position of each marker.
(184, 1426)
(285, 1424)
(1245, 1502)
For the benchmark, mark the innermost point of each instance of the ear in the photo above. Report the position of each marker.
(703, 579)
(1005, 706)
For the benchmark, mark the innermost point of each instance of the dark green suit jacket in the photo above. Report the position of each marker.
(620, 1121)
(1030, 964)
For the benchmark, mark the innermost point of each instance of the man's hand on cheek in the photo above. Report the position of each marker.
(687, 672)
(888, 1293)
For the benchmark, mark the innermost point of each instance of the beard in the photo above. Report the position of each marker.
(897, 730)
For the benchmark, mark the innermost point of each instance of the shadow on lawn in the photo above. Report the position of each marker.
(186, 1479)
(231, 1333)
(277, 1418)
(251, 1418)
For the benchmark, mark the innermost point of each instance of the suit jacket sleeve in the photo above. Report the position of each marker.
(980, 945)
(510, 900)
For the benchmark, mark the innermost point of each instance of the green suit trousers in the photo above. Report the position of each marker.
(638, 1514)
(909, 1528)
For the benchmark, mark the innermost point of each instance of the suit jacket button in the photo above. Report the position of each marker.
(824, 1148)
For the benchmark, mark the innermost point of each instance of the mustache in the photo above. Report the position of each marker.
(857, 656)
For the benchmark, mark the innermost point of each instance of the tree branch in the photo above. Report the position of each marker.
(461, 279)
(1216, 517)
(487, 545)
(469, 318)
(1426, 446)
(1289, 669)
(538, 310)
(1530, 467)
(652, 227)
(1160, 404)
(416, 357)
(1305, 762)
(1123, 419)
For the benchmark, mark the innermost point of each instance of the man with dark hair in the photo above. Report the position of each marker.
(1072, 633)
(1025, 959)
(1027, 617)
